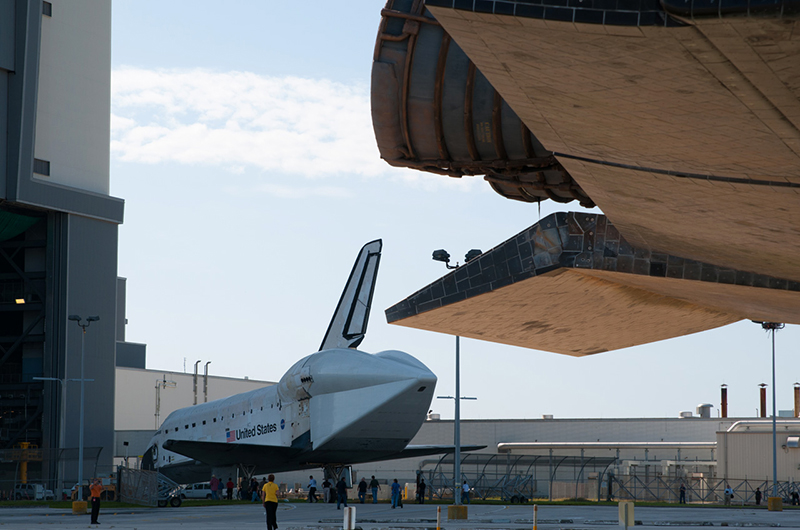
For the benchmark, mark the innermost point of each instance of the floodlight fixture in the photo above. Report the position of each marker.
(443, 256)
(472, 254)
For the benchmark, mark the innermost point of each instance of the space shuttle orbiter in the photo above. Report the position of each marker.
(333, 408)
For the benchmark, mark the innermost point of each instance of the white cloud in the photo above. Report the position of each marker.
(300, 126)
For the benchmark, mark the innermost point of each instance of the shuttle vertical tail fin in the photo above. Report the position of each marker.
(349, 323)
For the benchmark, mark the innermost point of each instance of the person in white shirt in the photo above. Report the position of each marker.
(312, 489)
(465, 493)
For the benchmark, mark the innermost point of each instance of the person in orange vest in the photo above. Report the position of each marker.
(95, 490)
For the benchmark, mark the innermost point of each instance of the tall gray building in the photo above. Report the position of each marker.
(58, 237)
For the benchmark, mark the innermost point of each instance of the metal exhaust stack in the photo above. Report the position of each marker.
(724, 400)
(763, 400)
(797, 400)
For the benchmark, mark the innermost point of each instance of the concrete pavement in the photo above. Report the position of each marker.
(382, 516)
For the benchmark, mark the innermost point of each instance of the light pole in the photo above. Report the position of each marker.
(83, 327)
(443, 256)
(773, 327)
(457, 425)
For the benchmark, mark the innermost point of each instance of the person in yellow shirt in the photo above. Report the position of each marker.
(95, 489)
(269, 494)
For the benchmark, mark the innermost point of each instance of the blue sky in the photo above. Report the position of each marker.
(243, 148)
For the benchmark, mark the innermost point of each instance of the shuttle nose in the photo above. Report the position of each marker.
(343, 370)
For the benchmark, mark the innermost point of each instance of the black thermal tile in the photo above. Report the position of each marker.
(621, 18)
(427, 306)
(611, 249)
(588, 16)
(489, 275)
(692, 270)
(567, 259)
(462, 285)
(650, 18)
(625, 248)
(437, 289)
(624, 263)
(709, 273)
(483, 6)
(501, 282)
(658, 269)
(674, 271)
(504, 8)
(461, 274)
(479, 290)
(584, 260)
(609, 264)
(726, 276)
(473, 268)
(424, 296)
(449, 283)
(574, 242)
(501, 270)
(777, 283)
(744, 278)
(629, 5)
(612, 234)
(453, 298)
(641, 266)
(463, 4)
(641, 253)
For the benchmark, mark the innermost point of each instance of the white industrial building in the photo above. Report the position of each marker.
(547, 457)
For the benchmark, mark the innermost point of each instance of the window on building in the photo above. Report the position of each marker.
(41, 167)
(47, 9)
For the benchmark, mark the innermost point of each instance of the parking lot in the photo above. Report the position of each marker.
(411, 516)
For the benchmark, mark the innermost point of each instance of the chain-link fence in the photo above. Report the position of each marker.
(518, 478)
(699, 490)
(39, 466)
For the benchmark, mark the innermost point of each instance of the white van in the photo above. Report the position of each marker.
(33, 492)
(201, 490)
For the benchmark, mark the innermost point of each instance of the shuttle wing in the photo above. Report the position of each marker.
(225, 454)
(422, 450)
(349, 323)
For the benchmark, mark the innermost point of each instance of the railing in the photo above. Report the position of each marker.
(699, 490)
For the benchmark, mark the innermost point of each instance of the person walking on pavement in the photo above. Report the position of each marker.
(362, 490)
(312, 489)
(229, 488)
(214, 487)
(269, 494)
(95, 490)
(341, 493)
(396, 494)
(421, 491)
(254, 489)
(758, 496)
(682, 498)
(326, 490)
(373, 484)
(465, 493)
(728, 495)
